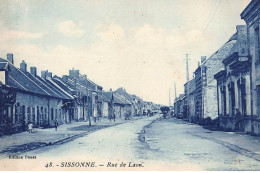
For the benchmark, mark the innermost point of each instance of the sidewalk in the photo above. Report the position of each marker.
(239, 142)
(25, 141)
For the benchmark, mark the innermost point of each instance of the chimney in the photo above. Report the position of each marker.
(23, 66)
(198, 64)
(44, 74)
(71, 73)
(76, 74)
(65, 78)
(203, 59)
(33, 71)
(110, 90)
(49, 74)
(84, 77)
(10, 58)
(242, 40)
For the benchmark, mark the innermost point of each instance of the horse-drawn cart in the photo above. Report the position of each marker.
(165, 110)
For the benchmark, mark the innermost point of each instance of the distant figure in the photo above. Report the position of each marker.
(237, 119)
(114, 116)
(95, 115)
(56, 125)
(110, 117)
(30, 127)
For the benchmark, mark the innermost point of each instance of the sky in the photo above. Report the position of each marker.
(139, 45)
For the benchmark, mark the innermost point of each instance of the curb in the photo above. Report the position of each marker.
(60, 141)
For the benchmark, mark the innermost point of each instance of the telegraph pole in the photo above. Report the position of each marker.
(169, 97)
(187, 66)
(175, 94)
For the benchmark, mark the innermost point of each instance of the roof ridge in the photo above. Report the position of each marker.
(218, 51)
(66, 85)
(18, 83)
(56, 85)
(42, 83)
(30, 79)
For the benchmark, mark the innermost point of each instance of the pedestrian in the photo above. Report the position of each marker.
(237, 119)
(114, 116)
(30, 127)
(110, 117)
(95, 115)
(56, 125)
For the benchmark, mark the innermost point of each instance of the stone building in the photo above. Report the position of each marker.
(27, 97)
(87, 95)
(208, 88)
(179, 105)
(198, 90)
(189, 89)
(126, 96)
(105, 107)
(234, 86)
(251, 17)
(118, 105)
(138, 105)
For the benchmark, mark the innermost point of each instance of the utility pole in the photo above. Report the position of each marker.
(187, 66)
(169, 97)
(175, 94)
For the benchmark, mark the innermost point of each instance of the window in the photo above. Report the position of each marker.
(17, 111)
(38, 115)
(29, 114)
(33, 115)
(41, 115)
(45, 114)
(56, 114)
(60, 114)
(22, 114)
(52, 114)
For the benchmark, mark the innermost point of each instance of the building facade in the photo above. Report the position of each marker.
(27, 98)
(189, 89)
(234, 95)
(251, 16)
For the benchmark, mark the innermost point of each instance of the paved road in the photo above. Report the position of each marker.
(169, 145)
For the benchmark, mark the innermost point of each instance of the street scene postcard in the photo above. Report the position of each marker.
(129, 85)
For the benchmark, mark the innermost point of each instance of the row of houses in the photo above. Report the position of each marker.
(26, 97)
(226, 86)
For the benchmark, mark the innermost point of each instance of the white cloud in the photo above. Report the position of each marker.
(70, 28)
(144, 60)
(8, 36)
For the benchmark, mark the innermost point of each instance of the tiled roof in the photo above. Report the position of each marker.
(57, 88)
(48, 89)
(34, 84)
(123, 93)
(105, 99)
(123, 99)
(17, 79)
(64, 86)
(117, 98)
